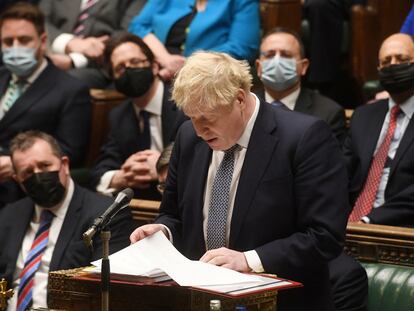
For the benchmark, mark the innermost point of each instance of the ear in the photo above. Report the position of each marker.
(304, 66)
(65, 165)
(241, 99)
(43, 42)
(155, 68)
(258, 68)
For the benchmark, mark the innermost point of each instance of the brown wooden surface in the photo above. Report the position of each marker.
(102, 103)
(67, 292)
(144, 211)
(383, 244)
(286, 13)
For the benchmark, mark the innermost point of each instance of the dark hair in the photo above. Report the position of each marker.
(26, 11)
(164, 158)
(291, 32)
(26, 140)
(122, 38)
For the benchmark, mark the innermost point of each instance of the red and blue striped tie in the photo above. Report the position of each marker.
(32, 262)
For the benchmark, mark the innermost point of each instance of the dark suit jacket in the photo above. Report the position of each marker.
(315, 104)
(290, 206)
(56, 104)
(365, 128)
(124, 139)
(70, 251)
(105, 17)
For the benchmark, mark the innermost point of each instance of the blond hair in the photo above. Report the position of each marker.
(210, 79)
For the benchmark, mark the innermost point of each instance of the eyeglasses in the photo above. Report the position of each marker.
(161, 187)
(133, 63)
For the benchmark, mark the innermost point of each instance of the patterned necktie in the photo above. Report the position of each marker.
(79, 29)
(32, 262)
(219, 201)
(144, 129)
(366, 198)
(14, 91)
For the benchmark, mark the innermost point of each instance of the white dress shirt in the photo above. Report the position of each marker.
(289, 100)
(407, 110)
(41, 276)
(154, 108)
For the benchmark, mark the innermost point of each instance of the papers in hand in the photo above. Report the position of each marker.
(156, 257)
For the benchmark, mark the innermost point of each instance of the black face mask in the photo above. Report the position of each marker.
(45, 189)
(396, 79)
(135, 82)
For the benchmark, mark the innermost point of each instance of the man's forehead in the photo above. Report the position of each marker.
(397, 45)
(281, 40)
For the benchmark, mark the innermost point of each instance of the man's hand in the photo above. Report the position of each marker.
(61, 61)
(152, 158)
(170, 65)
(226, 258)
(91, 47)
(146, 230)
(6, 168)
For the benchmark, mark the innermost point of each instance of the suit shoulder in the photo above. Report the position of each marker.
(92, 202)
(323, 102)
(62, 78)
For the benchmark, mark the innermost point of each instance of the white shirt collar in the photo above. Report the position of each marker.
(245, 138)
(59, 210)
(289, 101)
(407, 107)
(155, 104)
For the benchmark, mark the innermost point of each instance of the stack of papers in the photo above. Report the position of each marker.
(155, 257)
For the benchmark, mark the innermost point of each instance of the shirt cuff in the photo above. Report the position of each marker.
(253, 261)
(79, 60)
(60, 43)
(365, 219)
(104, 182)
(170, 237)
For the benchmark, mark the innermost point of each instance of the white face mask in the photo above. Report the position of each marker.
(279, 73)
(19, 60)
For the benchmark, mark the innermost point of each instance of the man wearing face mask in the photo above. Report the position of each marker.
(43, 232)
(379, 148)
(34, 94)
(141, 126)
(281, 66)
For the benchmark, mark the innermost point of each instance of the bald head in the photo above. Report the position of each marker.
(396, 49)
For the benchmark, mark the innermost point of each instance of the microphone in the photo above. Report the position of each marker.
(121, 201)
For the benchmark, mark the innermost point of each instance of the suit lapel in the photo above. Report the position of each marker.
(29, 98)
(68, 227)
(4, 82)
(72, 9)
(303, 103)
(259, 152)
(406, 141)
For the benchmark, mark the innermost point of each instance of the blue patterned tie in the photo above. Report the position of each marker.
(13, 92)
(219, 201)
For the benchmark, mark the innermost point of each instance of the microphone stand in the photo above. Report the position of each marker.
(105, 269)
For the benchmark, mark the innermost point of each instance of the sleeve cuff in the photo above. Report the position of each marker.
(104, 182)
(170, 237)
(253, 261)
(79, 60)
(365, 219)
(60, 43)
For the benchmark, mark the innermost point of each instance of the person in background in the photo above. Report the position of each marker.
(78, 31)
(174, 29)
(379, 148)
(43, 232)
(281, 66)
(141, 126)
(34, 94)
(162, 166)
(252, 187)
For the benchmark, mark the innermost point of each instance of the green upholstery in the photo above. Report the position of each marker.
(370, 88)
(391, 287)
(81, 176)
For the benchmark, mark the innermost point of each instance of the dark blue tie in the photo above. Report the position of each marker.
(219, 201)
(277, 103)
(145, 130)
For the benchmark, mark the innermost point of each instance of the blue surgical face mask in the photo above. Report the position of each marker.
(279, 73)
(20, 60)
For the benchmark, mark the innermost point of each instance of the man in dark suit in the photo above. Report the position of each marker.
(43, 172)
(281, 66)
(252, 187)
(78, 30)
(380, 146)
(35, 94)
(141, 126)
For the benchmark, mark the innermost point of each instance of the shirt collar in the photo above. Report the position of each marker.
(155, 104)
(244, 139)
(407, 107)
(60, 210)
(30, 79)
(289, 101)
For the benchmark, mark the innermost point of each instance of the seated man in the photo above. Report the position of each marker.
(78, 31)
(141, 126)
(379, 148)
(252, 187)
(35, 94)
(44, 230)
(281, 66)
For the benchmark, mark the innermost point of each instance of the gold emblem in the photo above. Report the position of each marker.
(4, 294)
